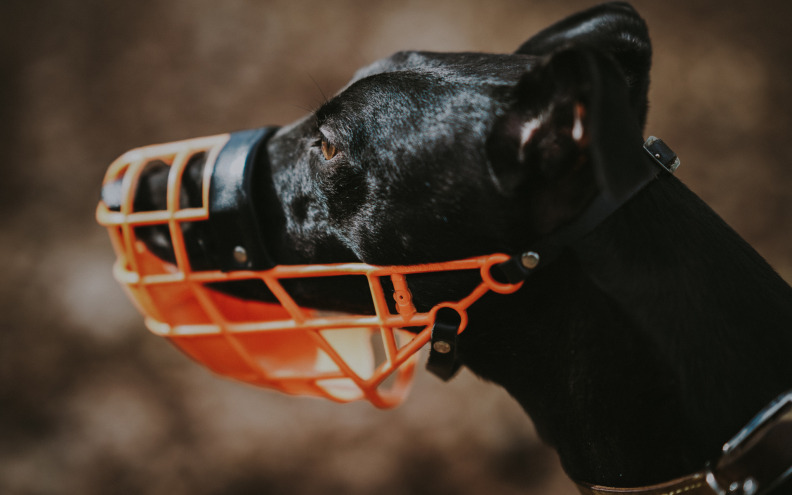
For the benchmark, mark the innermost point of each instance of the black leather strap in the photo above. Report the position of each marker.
(236, 237)
(600, 208)
(662, 154)
(443, 360)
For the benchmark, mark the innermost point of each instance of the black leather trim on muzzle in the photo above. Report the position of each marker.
(234, 223)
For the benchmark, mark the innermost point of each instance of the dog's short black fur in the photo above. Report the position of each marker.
(643, 347)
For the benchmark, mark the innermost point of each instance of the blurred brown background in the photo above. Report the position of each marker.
(91, 403)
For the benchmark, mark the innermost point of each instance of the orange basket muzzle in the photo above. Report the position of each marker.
(278, 344)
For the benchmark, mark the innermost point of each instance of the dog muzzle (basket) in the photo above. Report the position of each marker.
(275, 343)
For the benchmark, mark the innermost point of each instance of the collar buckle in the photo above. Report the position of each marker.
(759, 457)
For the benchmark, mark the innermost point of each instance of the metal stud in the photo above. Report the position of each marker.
(529, 260)
(240, 255)
(442, 347)
(750, 486)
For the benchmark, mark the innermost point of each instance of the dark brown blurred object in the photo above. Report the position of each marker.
(91, 403)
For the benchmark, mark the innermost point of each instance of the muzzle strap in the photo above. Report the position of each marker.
(443, 360)
(547, 249)
(233, 219)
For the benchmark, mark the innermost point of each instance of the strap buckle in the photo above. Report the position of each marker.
(443, 360)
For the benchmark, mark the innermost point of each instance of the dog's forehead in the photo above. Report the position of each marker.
(481, 67)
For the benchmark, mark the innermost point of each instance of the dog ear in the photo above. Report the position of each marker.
(613, 28)
(568, 136)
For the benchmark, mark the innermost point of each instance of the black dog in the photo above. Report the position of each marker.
(645, 344)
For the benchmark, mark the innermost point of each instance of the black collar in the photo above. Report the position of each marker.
(755, 461)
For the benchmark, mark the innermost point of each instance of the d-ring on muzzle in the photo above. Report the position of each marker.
(212, 234)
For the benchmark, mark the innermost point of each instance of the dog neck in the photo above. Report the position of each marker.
(641, 351)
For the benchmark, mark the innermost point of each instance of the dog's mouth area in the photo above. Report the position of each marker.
(150, 194)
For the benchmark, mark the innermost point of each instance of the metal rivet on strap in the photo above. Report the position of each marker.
(240, 254)
(529, 260)
(442, 347)
(750, 486)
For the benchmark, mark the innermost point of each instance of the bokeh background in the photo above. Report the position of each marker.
(91, 403)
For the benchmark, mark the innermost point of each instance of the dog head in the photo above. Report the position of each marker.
(436, 156)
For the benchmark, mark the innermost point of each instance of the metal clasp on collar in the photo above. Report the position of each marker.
(759, 457)
(662, 154)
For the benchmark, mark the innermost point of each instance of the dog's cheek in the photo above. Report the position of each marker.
(345, 191)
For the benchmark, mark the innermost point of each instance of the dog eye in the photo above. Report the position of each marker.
(328, 150)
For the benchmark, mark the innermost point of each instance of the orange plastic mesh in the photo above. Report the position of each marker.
(282, 345)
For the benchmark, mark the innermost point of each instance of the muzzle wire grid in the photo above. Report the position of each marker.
(293, 349)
